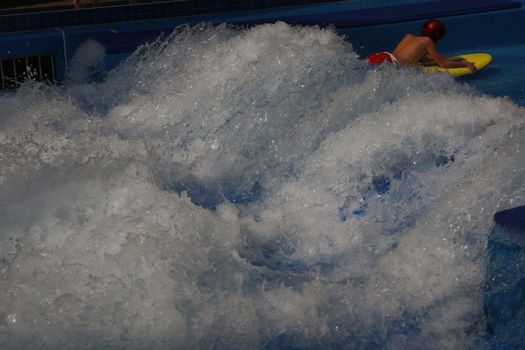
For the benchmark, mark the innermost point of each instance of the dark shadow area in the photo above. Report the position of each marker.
(513, 219)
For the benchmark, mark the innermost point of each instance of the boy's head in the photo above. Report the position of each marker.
(434, 29)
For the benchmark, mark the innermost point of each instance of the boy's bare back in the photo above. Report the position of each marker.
(411, 49)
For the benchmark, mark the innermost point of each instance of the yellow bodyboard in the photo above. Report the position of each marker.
(481, 60)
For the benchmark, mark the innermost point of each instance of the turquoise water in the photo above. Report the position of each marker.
(261, 188)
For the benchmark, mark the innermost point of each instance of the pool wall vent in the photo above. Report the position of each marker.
(15, 71)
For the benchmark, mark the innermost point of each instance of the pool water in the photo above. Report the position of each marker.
(504, 77)
(254, 188)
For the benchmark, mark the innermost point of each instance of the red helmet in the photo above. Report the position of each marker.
(434, 29)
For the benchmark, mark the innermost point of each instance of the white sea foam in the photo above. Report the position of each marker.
(258, 188)
(87, 63)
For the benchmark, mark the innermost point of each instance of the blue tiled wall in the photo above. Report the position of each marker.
(62, 17)
(44, 19)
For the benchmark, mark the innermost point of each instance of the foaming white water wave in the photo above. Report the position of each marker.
(259, 188)
(87, 63)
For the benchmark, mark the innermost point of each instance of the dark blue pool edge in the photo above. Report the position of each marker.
(505, 280)
(12, 21)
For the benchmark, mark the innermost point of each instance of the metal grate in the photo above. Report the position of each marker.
(14, 71)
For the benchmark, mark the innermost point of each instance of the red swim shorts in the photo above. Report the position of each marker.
(381, 57)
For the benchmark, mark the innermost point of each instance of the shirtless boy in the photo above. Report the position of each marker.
(413, 49)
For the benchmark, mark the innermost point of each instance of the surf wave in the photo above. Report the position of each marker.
(251, 188)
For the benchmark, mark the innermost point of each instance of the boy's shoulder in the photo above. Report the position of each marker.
(412, 37)
(419, 40)
(422, 38)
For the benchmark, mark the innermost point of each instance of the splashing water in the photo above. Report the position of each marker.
(258, 188)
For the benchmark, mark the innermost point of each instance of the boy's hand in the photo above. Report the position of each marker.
(471, 66)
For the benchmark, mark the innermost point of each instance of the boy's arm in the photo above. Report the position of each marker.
(442, 61)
